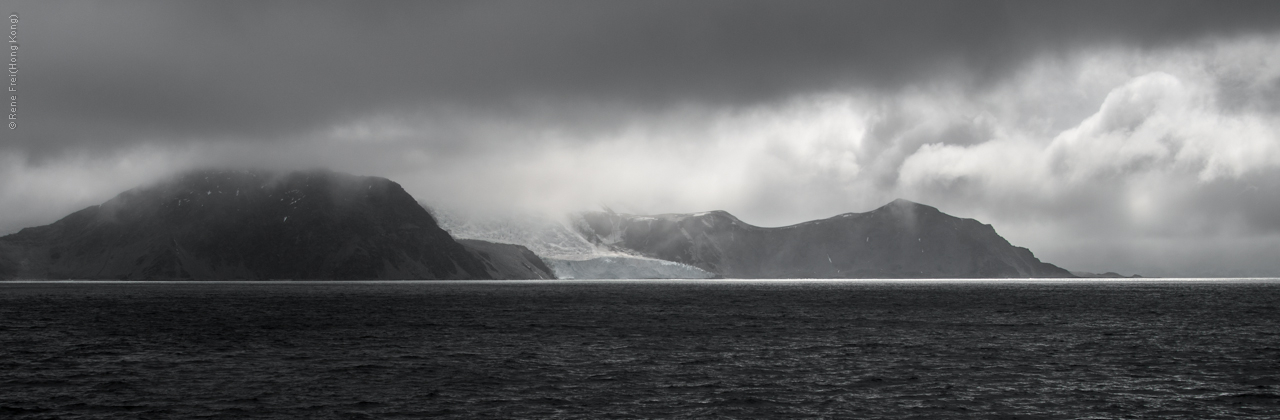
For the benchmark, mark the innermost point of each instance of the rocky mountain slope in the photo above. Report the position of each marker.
(506, 261)
(214, 225)
(899, 240)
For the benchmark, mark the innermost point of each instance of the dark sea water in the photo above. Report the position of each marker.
(641, 349)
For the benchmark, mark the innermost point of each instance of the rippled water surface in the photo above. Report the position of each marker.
(641, 349)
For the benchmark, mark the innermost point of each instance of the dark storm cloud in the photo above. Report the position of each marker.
(100, 73)
(1083, 130)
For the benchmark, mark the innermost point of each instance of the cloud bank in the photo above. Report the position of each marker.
(1103, 136)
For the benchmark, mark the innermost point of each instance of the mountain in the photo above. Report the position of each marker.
(214, 225)
(223, 225)
(899, 240)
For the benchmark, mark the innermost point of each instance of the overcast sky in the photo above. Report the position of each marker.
(1139, 137)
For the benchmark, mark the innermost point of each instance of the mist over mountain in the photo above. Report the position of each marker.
(215, 225)
(899, 240)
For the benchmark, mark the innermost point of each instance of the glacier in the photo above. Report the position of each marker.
(625, 267)
(558, 241)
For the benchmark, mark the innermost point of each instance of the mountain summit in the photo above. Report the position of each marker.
(214, 225)
(902, 239)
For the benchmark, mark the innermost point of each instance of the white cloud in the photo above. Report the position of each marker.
(1161, 145)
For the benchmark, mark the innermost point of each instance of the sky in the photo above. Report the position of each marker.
(1141, 137)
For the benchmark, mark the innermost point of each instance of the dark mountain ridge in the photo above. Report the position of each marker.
(899, 240)
(216, 225)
